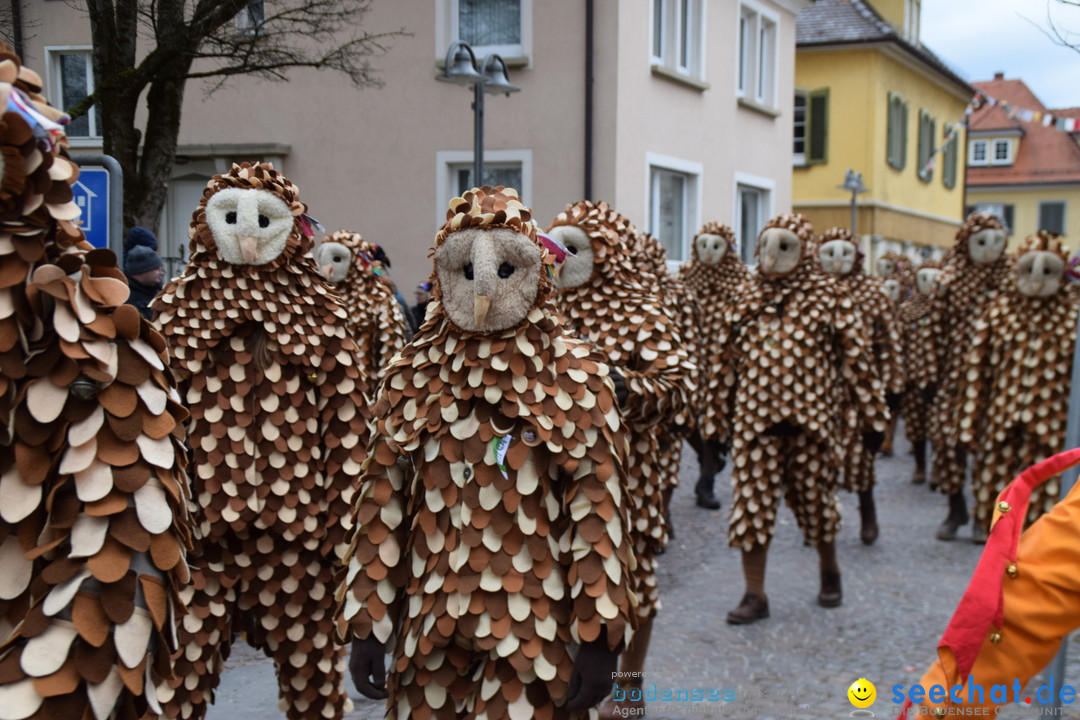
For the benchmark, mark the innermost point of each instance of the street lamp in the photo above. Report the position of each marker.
(490, 76)
(853, 182)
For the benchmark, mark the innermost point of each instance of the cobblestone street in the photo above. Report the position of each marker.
(898, 596)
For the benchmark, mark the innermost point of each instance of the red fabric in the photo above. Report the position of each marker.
(982, 604)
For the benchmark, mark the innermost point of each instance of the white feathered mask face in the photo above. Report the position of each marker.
(892, 289)
(250, 227)
(779, 252)
(710, 248)
(837, 257)
(578, 266)
(489, 278)
(986, 246)
(334, 261)
(1039, 273)
(926, 280)
(886, 267)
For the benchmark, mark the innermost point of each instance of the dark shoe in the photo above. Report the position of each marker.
(831, 594)
(868, 516)
(919, 477)
(751, 608)
(957, 516)
(978, 534)
(706, 498)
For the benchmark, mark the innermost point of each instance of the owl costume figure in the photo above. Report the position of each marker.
(839, 257)
(714, 274)
(376, 320)
(975, 272)
(920, 348)
(491, 555)
(93, 491)
(606, 300)
(792, 345)
(278, 433)
(1014, 398)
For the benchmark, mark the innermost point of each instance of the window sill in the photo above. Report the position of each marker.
(759, 108)
(516, 62)
(678, 77)
(85, 142)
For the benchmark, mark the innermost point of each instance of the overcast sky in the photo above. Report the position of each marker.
(977, 38)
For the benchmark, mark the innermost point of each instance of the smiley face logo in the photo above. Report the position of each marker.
(862, 693)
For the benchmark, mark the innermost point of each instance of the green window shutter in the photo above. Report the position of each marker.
(923, 154)
(890, 132)
(948, 168)
(817, 126)
(903, 135)
(930, 140)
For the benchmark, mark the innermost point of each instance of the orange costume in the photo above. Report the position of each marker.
(1024, 597)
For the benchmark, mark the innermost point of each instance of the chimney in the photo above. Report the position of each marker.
(999, 76)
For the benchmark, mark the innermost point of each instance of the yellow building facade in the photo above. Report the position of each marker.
(889, 106)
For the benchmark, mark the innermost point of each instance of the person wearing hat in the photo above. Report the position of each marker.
(145, 273)
(419, 310)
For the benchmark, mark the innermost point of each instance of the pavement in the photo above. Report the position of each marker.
(898, 596)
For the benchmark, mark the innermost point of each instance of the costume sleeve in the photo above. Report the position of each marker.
(1041, 606)
(857, 367)
(343, 412)
(391, 339)
(976, 381)
(369, 595)
(601, 552)
(720, 393)
(889, 348)
(660, 383)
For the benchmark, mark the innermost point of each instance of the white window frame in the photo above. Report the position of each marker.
(54, 85)
(982, 143)
(245, 23)
(767, 187)
(693, 195)
(446, 32)
(798, 159)
(446, 162)
(994, 159)
(673, 45)
(912, 13)
(749, 58)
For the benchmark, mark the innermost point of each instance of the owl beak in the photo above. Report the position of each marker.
(768, 262)
(481, 304)
(326, 270)
(249, 248)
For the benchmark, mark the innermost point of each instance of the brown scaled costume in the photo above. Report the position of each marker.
(792, 345)
(965, 289)
(879, 320)
(376, 320)
(491, 526)
(1014, 399)
(93, 495)
(278, 435)
(915, 315)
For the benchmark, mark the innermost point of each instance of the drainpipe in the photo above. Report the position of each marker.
(589, 13)
(16, 23)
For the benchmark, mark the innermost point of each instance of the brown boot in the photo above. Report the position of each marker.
(958, 516)
(868, 533)
(831, 594)
(751, 609)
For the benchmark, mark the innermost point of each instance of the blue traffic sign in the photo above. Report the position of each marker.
(91, 192)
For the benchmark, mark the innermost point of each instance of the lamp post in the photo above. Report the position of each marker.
(490, 76)
(853, 182)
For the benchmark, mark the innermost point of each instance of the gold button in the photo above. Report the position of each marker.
(313, 377)
(1004, 506)
(995, 637)
(1013, 572)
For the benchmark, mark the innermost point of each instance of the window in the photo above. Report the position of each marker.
(911, 21)
(927, 127)
(673, 203)
(997, 151)
(753, 207)
(948, 157)
(250, 19)
(1002, 154)
(799, 127)
(489, 26)
(896, 135)
(72, 70)
(1002, 211)
(509, 168)
(811, 127)
(757, 55)
(978, 152)
(1052, 216)
(677, 35)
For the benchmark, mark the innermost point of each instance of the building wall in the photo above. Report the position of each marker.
(368, 160)
(1026, 209)
(859, 81)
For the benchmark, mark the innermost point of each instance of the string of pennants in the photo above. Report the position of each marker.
(981, 100)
